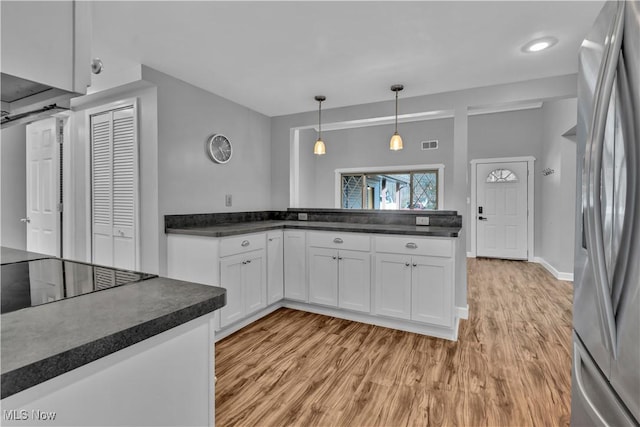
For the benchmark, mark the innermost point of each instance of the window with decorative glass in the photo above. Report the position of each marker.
(390, 190)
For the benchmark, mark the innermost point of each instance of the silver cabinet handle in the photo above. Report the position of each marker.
(415, 265)
(248, 261)
(338, 240)
(411, 245)
(339, 258)
(407, 264)
(244, 243)
(25, 220)
(271, 239)
(334, 257)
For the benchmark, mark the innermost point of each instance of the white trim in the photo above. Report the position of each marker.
(530, 200)
(404, 168)
(423, 116)
(471, 254)
(294, 168)
(371, 319)
(462, 312)
(235, 327)
(384, 120)
(551, 269)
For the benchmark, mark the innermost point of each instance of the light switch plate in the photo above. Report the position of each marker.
(422, 220)
(228, 200)
(302, 216)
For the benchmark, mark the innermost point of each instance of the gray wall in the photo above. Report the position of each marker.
(188, 181)
(558, 189)
(13, 180)
(369, 146)
(511, 134)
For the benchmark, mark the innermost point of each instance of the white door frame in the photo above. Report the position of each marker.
(530, 200)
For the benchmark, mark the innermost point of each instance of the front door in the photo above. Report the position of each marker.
(43, 187)
(501, 215)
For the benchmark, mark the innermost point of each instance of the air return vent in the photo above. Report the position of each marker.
(430, 145)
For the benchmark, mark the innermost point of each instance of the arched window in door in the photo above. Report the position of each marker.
(502, 175)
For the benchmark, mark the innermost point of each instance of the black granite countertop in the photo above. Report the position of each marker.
(42, 342)
(11, 255)
(232, 229)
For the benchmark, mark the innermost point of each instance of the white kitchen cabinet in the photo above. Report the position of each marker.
(354, 281)
(340, 270)
(275, 266)
(432, 290)
(417, 281)
(323, 276)
(244, 277)
(231, 280)
(295, 266)
(393, 286)
(48, 42)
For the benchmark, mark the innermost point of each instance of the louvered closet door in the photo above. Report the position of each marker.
(114, 188)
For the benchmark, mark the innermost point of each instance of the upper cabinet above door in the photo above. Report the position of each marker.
(48, 42)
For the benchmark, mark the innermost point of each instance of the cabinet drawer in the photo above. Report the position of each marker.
(240, 244)
(430, 246)
(349, 241)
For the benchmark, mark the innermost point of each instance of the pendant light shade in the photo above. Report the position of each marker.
(396, 140)
(319, 148)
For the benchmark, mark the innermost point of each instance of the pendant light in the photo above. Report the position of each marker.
(319, 148)
(396, 140)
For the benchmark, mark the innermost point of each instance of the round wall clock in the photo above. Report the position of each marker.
(219, 148)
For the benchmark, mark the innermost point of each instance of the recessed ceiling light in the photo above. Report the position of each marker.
(539, 44)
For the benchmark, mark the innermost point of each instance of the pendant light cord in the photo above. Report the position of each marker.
(396, 111)
(319, 119)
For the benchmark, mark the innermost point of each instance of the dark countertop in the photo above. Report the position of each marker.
(10, 255)
(42, 342)
(233, 229)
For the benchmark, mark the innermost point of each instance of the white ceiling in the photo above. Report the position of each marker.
(274, 57)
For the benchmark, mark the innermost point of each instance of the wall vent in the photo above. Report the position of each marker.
(430, 145)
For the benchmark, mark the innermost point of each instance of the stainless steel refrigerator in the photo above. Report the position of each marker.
(606, 302)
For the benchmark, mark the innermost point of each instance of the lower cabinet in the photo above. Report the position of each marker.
(295, 266)
(418, 288)
(340, 278)
(275, 267)
(243, 276)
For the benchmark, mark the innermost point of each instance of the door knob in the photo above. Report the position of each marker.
(27, 220)
(481, 218)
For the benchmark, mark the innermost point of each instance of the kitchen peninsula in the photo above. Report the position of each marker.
(375, 267)
(137, 353)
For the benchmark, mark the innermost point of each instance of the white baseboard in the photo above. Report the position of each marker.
(462, 312)
(471, 255)
(551, 269)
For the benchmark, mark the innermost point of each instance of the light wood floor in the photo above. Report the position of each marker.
(510, 367)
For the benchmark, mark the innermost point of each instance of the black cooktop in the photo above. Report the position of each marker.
(30, 283)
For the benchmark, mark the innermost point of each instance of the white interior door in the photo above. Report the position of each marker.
(43, 187)
(114, 188)
(502, 210)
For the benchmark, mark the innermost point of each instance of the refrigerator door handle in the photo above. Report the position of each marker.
(595, 246)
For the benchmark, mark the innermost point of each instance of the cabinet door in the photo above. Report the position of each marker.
(354, 279)
(254, 281)
(323, 276)
(432, 290)
(275, 267)
(393, 285)
(231, 280)
(295, 269)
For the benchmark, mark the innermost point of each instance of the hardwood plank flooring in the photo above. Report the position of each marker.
(511, 365)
